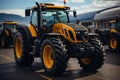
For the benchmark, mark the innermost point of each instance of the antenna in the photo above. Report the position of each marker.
(35, 1)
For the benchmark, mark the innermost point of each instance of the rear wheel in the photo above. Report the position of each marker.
(21, 50)
(4, 41)
(53, 59)
(114, 43)
(95, 61)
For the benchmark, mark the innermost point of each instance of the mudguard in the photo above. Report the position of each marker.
(50, 35)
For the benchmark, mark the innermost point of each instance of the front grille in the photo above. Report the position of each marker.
(81, 35)
(71, 35)
(66, 32)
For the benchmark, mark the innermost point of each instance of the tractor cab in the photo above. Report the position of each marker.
(8, 25)
(7, 32)
(45, 15)
(48, 12)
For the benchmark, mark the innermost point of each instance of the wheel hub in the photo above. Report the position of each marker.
(113, 43)
(18, 48)
(48, 56)
(85, 60)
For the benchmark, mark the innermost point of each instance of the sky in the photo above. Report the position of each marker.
(81, 6)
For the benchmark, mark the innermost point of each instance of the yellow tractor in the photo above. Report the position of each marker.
(7, 32)
(114, 35)
(54, 39)
(111, 36)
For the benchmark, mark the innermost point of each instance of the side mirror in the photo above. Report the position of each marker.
(27, 12)
(75, 13)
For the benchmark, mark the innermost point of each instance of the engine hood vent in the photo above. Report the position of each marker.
(78, 27)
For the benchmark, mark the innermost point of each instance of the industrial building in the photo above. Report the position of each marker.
(99, 19)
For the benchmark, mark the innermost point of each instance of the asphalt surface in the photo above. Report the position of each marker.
(10, 71)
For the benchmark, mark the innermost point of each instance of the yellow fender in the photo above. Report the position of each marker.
(32, 30)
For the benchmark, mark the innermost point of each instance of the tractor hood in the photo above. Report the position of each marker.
(78, 27)
(73, 26)
(70, 31)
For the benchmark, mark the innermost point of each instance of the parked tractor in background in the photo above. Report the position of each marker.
(114, 37)
(111, 36)
(7, 32)
(51, 37)
(107, 25)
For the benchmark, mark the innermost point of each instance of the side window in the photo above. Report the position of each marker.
(34, 18)
(118, 24)
(112, 25)
(1, 27)
(14, 26)
(62, 16)
(8, 26)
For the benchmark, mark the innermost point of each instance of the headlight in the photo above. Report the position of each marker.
(77, 32)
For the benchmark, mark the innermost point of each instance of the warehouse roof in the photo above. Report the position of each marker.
(87, 16)
(104, 14)
(110, 13)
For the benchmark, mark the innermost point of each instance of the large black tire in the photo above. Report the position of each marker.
(114, 43)
(52, 55)
(22, 49)
(4, 41)
(96, 60)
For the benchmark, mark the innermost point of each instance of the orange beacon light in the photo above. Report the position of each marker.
(65, 1)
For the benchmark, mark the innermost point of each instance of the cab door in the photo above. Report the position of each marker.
(33, 24)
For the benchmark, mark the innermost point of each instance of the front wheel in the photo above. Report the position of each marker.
(114, 43)
(92, 63)
(54, 62)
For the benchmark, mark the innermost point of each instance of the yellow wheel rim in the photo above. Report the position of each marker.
(3, 41)
(18, 48)
(113, 43)
(48, 56)
(85, 60)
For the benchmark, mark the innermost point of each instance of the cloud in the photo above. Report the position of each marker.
(96, 5)
(77, 1)
(107, 0)
(20, 12)
(107, 3)
(82, 8)
(57, 3)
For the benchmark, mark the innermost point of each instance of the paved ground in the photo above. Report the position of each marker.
(10, 71)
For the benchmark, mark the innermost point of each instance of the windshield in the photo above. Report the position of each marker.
(7, 26)
(1, 27)
(53, 16)
(118, 24)
(115, 25)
